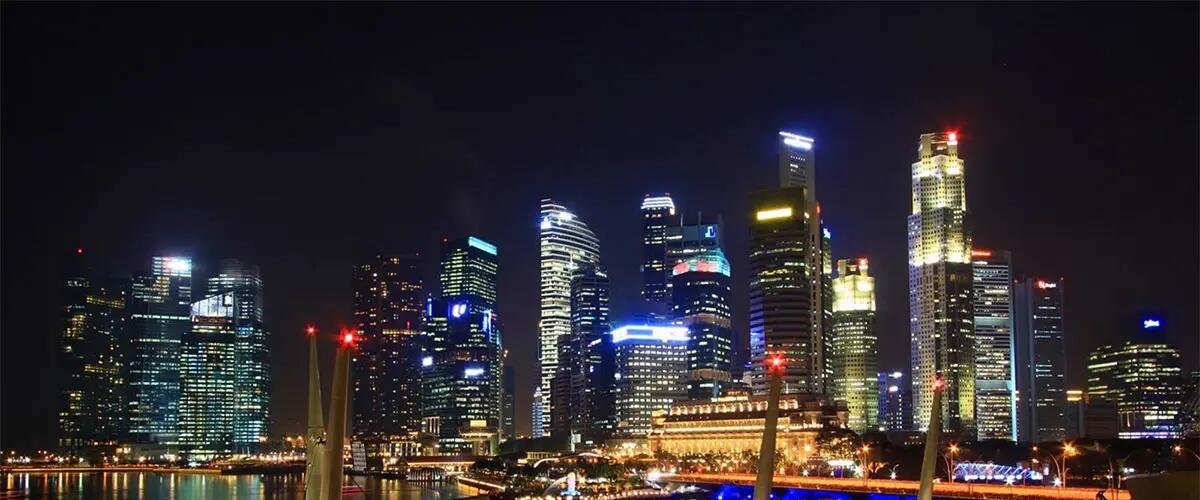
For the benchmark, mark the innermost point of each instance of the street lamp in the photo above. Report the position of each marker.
(1060, 463)
(866, 470)
(1179, 449)
(949, 456)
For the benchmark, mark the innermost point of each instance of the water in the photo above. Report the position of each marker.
(167, 485)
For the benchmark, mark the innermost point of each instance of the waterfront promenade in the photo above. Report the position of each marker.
(944, 490)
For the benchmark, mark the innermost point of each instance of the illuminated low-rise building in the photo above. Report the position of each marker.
(651, 374)
(1142, 379)
(734, 424)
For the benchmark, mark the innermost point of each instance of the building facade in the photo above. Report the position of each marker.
(651, 371)
(781, 291)
(853, 338)
(1142, 379)
(895, 402)
(732, 425)
(701, 293)
(658, 214)
(160, 316)
(208, 402)
(252, 393)
(566, 243)
(1041, 359)
(940, 286)
(461, 377)
(92, 411)
(995, 372)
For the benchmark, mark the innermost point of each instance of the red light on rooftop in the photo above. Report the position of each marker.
(862, 262)
(981, 253)
(953, 136)
(79, 251)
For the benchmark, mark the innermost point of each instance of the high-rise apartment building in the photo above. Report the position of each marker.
(160, 316)
(252, 392)
(566, 244)
(208, 402)
(701, 293)
(782, 318)
(658, 214)
(387, 389)
(1041, 359)
(583, 386)
(854, 342)
(939, 286)
(461, 383)
(1143, 379)
(797, 169)
(995, 372)
(92, 412)
(651, 364)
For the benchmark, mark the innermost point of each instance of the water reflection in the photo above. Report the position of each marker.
(153, 485)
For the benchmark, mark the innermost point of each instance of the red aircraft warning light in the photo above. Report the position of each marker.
(79, 251)
(939, 384)
(310, 330)
(775, 363)
(348, 337)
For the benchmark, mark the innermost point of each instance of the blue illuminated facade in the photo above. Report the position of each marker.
(462, 391)
(651, 364)
(252, 395)
(701, 293)
(160, 317)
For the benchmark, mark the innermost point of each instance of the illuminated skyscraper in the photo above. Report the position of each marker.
(461, 387)
(939, 286)
(583, 386)
(387, 390)
(853, 341)
(651, 371)
(783, 317)
(798, 169)
(691, 237)
(252, 394)
(508, 424)
(1041, 360)
(658, 213)
(208, 402)
(895, 402)
(566, 244)
(701, 292)
(91, 360)
(160, 308)
(995, 372)
(1143, 379)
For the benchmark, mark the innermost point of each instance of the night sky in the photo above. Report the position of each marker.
(299, 136)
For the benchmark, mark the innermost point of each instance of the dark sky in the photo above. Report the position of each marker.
(294, 136)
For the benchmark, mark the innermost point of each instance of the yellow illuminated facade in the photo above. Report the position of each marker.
(733, 424)
(774, 213)
(853, 344)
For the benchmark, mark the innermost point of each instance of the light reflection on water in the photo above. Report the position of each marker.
(166, 485)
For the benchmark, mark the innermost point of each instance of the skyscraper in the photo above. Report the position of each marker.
(1142, 378)
(461, 387)
(508, 424)
(690, 237)
(658, 213)
(252, 393)
(651, 370)
(995, 372)
(854, 339)
(208, 402)
(895, 402)
(798, 169)
(160, 316)
(583, 387)
(1041, 359)
(566, 243)
(701, 292)
(387, 389)
(91, 370)
(939, 286)
(782, 318)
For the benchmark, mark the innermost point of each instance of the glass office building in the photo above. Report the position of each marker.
(854, 342)
(252, 419)
(651, 364)
(995, 372)
(160, 316)
(208, 379)
(701, 292)
(1143, 380)
(1041, 359)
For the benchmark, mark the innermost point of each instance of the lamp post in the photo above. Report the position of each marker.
(951, 453)
(766, 452)
(1179, 449)
(866, 469)
(1060, 463)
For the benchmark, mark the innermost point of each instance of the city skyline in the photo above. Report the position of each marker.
(1028, 194)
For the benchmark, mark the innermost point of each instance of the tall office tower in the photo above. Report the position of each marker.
(1142, 378)
(587, 364)
(566, 244)
(939, 286)
(93, 385)
(535, 414)
(855, 376)
(208, 401)
(658, 213)
(462, 395)
(252, 417)
(1041, 359)
(827, 297)
(701, 293)
(895, 402)
(691, 237)
(781, 291)
(651, 371)
(160, 316)
(797, 169)
(508, 426)
(387, 387)
(995, 372)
